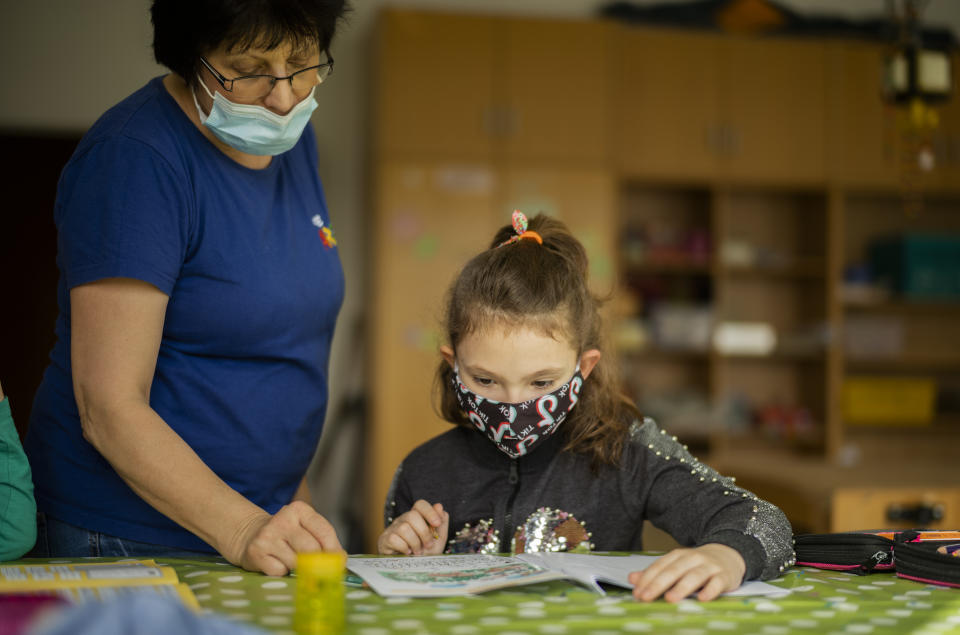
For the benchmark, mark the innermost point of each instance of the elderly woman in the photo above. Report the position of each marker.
(200, 283)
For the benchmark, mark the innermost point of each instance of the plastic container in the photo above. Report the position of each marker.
(919, 266)
(319, 604)
(888, 400)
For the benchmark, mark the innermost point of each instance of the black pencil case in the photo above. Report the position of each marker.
(922, 562)
(858, 552)
(913, 554)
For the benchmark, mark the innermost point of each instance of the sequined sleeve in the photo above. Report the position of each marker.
(397, 502)
(697, 505)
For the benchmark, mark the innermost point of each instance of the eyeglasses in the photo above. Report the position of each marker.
(257, 86)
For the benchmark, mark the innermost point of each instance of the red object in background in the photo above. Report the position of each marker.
(18, 610)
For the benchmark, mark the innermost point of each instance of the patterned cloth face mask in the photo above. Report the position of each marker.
(517, 428)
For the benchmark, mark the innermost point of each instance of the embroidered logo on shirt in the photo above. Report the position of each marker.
(325, 233)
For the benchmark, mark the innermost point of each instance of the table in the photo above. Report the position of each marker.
(822, 603)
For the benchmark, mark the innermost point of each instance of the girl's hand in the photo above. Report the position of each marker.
(707, 570)
(271, 543)
(422, 531)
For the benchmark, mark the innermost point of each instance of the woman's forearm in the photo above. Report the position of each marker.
(163, 470)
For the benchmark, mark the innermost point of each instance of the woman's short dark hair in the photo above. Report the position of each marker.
(183, 30)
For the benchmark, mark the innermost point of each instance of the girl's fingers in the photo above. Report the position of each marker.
(687, 584)
(655, 581)
(425, 532)
(431, 514)
(712, 589)
(398, 544)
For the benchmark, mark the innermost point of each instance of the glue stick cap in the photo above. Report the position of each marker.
(321, 562)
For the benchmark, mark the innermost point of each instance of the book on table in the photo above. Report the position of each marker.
(93, 581)
(450, 575)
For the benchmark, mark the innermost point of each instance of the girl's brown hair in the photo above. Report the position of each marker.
(542, 287)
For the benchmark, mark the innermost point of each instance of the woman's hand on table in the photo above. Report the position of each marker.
(422, 531)
(707, 570)
(271, 543)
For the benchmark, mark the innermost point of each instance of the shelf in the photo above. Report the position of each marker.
(906, 362)
(904, 307)
(800, 269)
(656, 354)
(678, 268)
(667, 355)
(946, 424)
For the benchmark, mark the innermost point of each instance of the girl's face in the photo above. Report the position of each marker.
(514, 365)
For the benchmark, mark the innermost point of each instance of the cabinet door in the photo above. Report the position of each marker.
(434, 85)
(947, 137)
(554, 90)
(773, 105)
(864, 129)
(430, 218)
(665, 114)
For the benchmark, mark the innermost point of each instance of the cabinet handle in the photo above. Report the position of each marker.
(511, 121)
(920, 514)
(491, 120)
(734, 141)
(712, 139)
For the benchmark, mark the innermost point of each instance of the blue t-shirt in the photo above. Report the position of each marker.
(254, 285)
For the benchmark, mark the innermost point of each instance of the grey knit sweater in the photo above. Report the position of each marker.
(657, 480)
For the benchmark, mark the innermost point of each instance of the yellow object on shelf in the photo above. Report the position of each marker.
(888, 400)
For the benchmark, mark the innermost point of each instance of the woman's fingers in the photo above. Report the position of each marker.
(295, 528)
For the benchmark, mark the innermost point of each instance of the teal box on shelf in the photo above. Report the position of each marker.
(919, 266)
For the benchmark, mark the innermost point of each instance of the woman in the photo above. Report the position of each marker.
(199, 288)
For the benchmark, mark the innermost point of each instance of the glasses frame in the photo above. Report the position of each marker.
(227, 83)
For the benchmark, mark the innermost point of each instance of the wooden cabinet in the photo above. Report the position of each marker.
(700, 106)
(484, 88)
(554, 91)
(741, 176)
(773, 110)
(434, 85)
(666, 104)
(864, 129)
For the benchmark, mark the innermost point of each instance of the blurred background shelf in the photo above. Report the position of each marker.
(719, 183)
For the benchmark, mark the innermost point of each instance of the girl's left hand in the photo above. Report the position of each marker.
(707, 570)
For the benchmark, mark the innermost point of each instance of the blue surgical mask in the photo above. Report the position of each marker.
(254, 129)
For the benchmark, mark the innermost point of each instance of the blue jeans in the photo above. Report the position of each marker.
(57, 539)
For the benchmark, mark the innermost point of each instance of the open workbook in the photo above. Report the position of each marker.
(432, 576)
(92, 581)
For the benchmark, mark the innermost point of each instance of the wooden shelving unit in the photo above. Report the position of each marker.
(741, 176)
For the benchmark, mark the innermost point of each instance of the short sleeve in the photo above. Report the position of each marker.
(18, 511)
(122, 211)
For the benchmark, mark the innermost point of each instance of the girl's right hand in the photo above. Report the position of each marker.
(422, 531)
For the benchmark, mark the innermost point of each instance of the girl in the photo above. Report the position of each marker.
(547, 455)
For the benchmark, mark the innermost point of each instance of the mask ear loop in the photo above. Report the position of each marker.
(193, 93)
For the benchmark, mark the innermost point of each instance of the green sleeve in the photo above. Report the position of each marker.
(18, 510)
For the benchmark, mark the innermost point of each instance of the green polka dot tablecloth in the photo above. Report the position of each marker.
(821, 603)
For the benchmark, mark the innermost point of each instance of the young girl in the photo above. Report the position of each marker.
(547, 455)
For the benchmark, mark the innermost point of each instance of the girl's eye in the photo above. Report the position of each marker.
(483, 381)
(543, 383)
